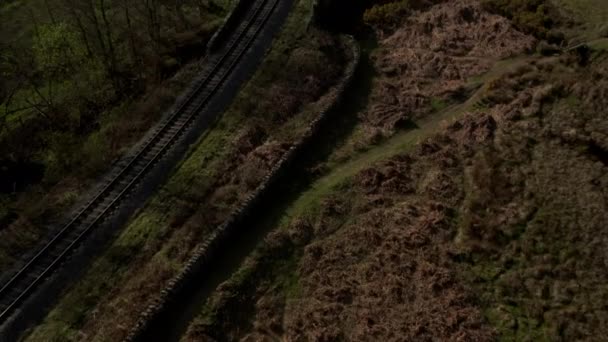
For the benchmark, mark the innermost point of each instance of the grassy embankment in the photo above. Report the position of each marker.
(220, 171)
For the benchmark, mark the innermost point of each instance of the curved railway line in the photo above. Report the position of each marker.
(128, 174)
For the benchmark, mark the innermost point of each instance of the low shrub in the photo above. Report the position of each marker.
(535, 17)
(387, 14)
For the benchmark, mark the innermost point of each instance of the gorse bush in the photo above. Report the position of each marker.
(535, 17)
(386, 13)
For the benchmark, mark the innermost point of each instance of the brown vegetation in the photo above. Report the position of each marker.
(424, 65)
(535, 17)
(492, 228)
(499, 219)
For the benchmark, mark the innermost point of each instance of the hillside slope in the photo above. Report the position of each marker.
(468, 202)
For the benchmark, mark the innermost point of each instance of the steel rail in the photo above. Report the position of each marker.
(163, 137)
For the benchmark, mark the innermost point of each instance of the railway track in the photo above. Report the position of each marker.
(126, 176)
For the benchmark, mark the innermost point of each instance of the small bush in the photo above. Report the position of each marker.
(535, 17)
(604, 31)
(438, 104)
(386, 13)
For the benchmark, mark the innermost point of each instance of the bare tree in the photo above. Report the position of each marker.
(179, 12)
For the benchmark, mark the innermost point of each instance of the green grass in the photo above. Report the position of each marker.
(62, 323)
(438, 104)
(599, 44)
(341, 172)
(592, 14)
(505, 317)
(340, 175)
(283, 281)
(572, 101)
(401, 142)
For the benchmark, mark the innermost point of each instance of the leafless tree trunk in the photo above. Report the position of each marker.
(108, 31)
(153, 26)
(130, 31)
(34, 21)
(49, 10)
(180, 15)
(81, 29)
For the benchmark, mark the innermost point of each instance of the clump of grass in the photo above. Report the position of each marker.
(438, 104)
(572, 101)
(387, 14)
